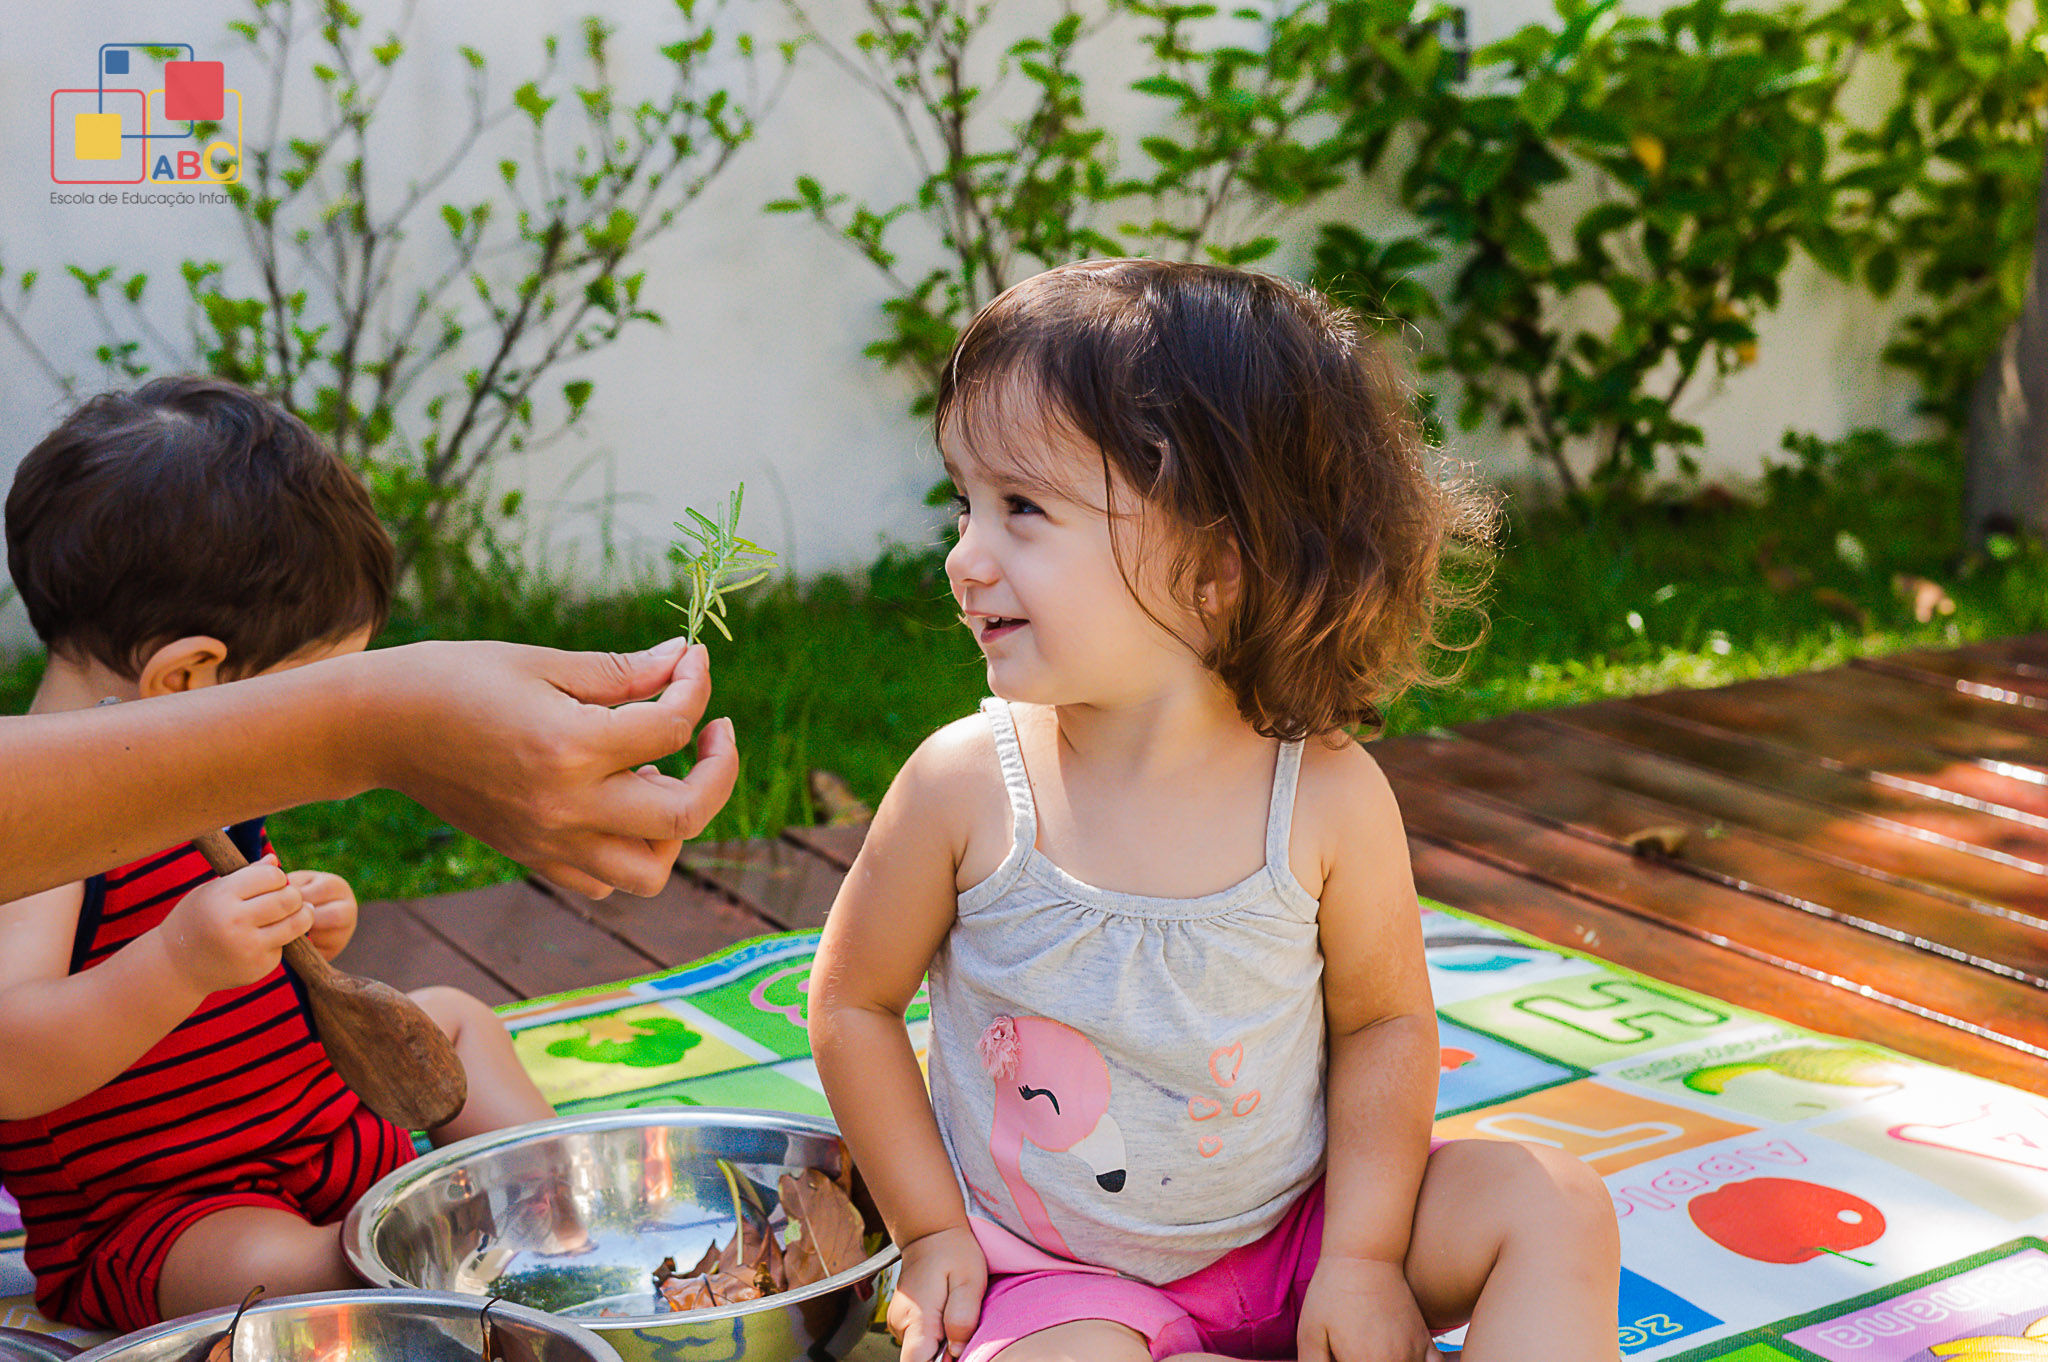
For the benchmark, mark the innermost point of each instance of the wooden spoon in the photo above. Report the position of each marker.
(381, 1042)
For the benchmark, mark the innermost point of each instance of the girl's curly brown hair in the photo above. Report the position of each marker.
(1254, 412)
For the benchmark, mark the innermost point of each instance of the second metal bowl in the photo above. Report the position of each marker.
(362, 1326)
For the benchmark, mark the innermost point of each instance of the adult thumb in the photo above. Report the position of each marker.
(617, 678)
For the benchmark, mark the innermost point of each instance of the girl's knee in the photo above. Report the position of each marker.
(1563, 1200)
(1538, 1190)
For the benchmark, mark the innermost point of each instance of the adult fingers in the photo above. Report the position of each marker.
(647, 816)
(566, 876)
(618, 678)
(652, 729)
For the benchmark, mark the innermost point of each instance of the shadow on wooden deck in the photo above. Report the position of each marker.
(1860, 851)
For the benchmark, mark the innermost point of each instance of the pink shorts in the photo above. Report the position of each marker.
(1245, 1304)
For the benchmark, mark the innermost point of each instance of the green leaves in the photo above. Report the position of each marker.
(1698, 135)
(1017, 174)
(722, 562)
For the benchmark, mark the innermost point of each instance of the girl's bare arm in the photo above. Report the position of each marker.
(1384, 1056)
(889, 919)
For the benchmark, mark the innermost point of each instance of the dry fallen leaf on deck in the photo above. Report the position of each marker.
(1665, 839)
(825, 1229)
(1927, 598)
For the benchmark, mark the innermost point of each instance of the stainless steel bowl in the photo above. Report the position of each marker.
(363, 1326)
(572, 1215)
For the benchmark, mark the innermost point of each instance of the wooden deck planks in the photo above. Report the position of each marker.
(530, 939)
(1892, 971)
(1731, 856)
(1864, 851)
(393, 945)
(684, 922)
(779, 881)
(1818, 777)
(1865, 842)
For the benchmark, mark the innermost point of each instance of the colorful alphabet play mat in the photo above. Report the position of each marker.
(1782, 1195)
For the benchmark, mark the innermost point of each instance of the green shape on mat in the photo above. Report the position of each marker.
(767, 1005)
(760, 1087)
(1756, 1352)
(658, 1042)
(1592, 1019)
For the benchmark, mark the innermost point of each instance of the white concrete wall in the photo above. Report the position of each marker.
(758, 376)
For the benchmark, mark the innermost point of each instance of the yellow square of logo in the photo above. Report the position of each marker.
(97, 136)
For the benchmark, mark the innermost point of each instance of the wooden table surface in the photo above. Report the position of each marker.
(1859, 850)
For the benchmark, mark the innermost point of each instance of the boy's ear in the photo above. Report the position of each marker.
(182, 664)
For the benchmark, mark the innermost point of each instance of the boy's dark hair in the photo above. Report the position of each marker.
(193, 506)
(1253, 412)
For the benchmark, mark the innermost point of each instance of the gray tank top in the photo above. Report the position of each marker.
(1129, 1081)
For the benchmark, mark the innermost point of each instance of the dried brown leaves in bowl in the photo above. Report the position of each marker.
(822, 1234)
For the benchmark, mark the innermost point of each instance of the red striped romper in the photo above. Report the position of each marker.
(236, 1107)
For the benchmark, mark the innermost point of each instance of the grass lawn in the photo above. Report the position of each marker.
(849, 673)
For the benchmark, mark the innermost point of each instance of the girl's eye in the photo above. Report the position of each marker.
(1021, 506)
(957, 499)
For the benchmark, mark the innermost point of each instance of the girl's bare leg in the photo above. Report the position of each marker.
(214, 1263)
(1085, 1340)
(500, 1093)
(1522, 1241)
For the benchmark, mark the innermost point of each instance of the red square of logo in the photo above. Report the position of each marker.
(193, 89)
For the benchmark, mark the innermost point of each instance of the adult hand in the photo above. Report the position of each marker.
(547, 754)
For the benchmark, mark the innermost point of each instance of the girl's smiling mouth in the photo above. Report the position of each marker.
(989, 628)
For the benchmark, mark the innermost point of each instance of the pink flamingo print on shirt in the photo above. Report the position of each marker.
(1052, 1088)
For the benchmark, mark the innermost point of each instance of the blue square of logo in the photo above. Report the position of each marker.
(117, 61)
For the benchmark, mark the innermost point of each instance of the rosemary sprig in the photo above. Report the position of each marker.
(722, 562)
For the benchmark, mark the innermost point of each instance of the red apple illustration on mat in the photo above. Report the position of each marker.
(1782, 1220)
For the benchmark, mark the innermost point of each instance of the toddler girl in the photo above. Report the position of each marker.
(1183, 1053)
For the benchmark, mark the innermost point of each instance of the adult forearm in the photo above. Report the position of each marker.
(89, 789)
(540, 753)
(1382, 1085)
(63, 1038)
(878, 1097)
